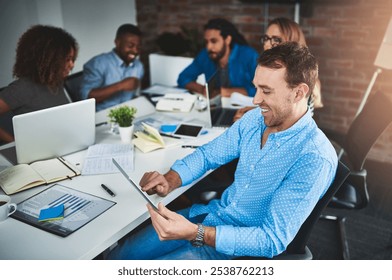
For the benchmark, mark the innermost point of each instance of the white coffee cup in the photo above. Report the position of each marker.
(6, 207)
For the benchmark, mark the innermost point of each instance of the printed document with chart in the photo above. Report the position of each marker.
(79, 209)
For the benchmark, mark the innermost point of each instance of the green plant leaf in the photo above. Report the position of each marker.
(123, 115)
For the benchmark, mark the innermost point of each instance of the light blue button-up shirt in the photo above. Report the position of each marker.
(275, 187)
(106, 69)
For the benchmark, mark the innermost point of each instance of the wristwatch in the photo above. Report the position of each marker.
(199, 240)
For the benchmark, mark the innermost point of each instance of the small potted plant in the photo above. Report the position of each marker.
(123, 116)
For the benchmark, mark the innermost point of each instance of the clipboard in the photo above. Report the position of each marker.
(80, 208)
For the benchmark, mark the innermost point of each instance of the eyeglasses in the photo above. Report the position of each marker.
(274, 40)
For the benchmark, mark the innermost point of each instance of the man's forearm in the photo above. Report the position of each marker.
(210, 236)
(103, 93)
(195, 87)
(173, 179)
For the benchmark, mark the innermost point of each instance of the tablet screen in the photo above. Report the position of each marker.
(188, 130)
(145, 196)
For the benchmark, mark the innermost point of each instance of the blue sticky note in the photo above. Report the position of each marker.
(168, 128)
(52, 213)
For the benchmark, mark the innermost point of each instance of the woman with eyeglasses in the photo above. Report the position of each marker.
(281, 30)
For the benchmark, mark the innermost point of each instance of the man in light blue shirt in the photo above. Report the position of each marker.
(112, 78)
(285, 166)
(227, 53)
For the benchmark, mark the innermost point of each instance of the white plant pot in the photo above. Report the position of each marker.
(126, 134)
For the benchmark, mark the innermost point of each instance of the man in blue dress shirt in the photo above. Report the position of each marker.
(285, 166)
(112, 78)
(228, 53)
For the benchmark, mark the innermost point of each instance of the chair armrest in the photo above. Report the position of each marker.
(307, 255)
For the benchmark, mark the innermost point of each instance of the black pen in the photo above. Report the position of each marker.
(189, 146)
(169, 135)
(171, 98)
(109, 191)
(100, 124)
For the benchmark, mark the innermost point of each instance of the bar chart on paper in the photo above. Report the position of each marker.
(72, 204)
(79, 209)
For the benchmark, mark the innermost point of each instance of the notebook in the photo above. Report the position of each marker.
(54, 131)
(219, 116)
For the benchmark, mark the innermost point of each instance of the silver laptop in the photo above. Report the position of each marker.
(55, 131)
(219, 116)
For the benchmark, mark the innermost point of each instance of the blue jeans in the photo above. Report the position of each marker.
(145, 245)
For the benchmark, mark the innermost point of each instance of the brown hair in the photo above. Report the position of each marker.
(301, 66)
(41, 54)
(226, 28)
(290, 30)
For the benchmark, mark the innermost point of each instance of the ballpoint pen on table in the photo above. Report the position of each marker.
(172, 98)
(169, 135)
(109, 191)
(189, 146)
(100, 124)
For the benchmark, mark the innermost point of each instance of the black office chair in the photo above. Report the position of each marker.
(353, 149)
(298, 249)
(72, 85)
(6, 123)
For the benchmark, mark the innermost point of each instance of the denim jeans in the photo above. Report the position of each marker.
(145, 245)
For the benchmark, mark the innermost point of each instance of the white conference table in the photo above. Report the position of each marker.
(19, 240)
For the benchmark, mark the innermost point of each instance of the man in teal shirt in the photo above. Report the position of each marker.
(228, 53)
(286, 164)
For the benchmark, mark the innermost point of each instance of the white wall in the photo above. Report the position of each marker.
(92, 22)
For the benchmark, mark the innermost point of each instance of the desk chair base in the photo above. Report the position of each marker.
(342, 232)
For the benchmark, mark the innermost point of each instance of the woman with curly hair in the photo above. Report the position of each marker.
(45, 55)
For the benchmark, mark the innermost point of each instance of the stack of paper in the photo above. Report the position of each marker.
(162, 90)
(238, 99)
(99, 158)
(176, 102)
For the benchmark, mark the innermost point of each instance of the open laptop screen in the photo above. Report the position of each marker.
(219, 116)
(213, 87)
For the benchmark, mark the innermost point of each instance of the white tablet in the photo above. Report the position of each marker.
(145, 196)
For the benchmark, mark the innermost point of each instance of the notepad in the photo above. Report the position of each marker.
(51, 214)
(176, 102)
(149, 139)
